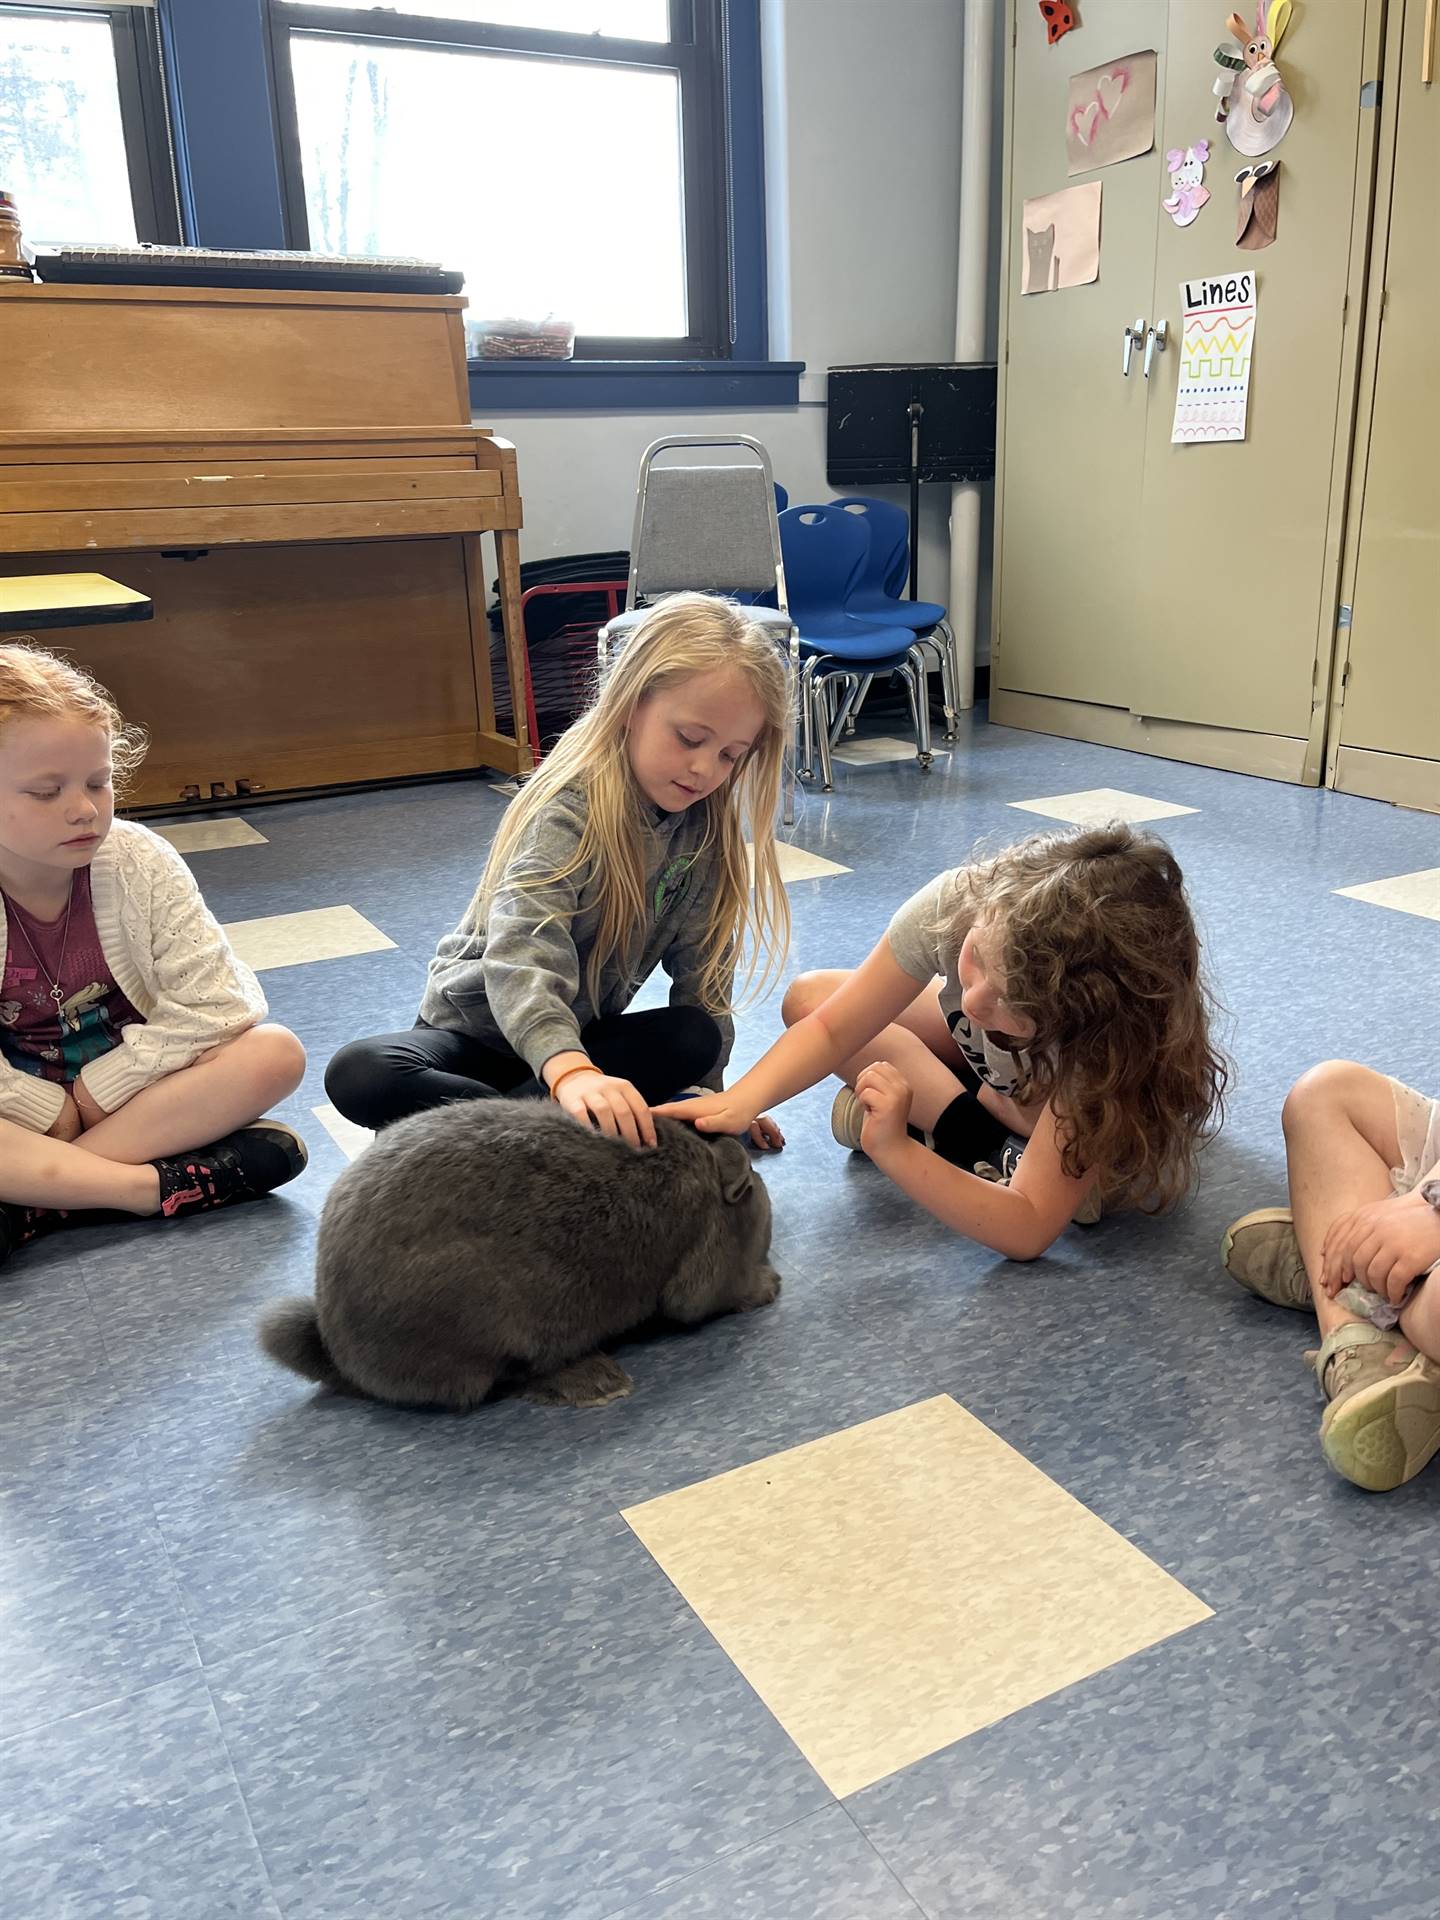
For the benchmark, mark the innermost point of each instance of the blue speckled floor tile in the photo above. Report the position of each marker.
(822, 1867)
(129, 1812)
(1195, 1781)
(91, 1607)
(570, 1741)
(50, 1341)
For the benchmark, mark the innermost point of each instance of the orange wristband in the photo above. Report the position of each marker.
(561, 1078)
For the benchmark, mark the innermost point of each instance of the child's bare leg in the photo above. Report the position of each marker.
(36, 1171)
(226, 1088)
(1340, 1144)
(919, 1044)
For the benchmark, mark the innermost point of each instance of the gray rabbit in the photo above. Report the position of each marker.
(497, 1242)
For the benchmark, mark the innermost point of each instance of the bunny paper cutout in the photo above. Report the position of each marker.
(1188, 193)
(1252, 103)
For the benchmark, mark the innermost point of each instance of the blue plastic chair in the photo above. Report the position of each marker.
(887, 567)
(877, 596)
(826, 551)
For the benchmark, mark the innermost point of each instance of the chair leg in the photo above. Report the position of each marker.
(793, 746)
(827, 769)
(949, 678)
(841, 722)
(807, 719)
(866, 682)
(917, 687)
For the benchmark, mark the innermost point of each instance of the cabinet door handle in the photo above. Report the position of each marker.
(1427, 46)
(1133, 336)
(1155, 343)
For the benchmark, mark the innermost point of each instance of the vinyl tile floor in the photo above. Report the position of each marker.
(945, 1587)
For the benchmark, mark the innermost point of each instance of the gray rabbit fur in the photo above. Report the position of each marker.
(498, 1243)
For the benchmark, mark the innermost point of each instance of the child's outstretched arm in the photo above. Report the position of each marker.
(1020, 1221)
(874, 995)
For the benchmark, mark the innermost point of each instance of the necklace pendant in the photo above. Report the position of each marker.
(57, 994)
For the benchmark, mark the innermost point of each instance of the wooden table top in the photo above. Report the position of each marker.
(29, 601)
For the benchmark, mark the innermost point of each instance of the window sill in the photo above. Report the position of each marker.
(617, 386)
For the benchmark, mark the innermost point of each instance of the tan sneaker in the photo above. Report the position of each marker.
(1261, 1252)
(846, 1118)
(1382, 1423)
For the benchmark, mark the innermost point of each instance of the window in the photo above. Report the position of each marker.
(567, 155)
(83, 140)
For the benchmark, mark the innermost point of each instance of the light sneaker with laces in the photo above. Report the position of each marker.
(847, 1116)
(1260, 1251)
(1382, 1421)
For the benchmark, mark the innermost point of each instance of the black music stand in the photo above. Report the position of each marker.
(896, 424)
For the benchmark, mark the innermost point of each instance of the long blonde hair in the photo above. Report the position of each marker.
(1096, 944)
(36, 685)
(683, 635)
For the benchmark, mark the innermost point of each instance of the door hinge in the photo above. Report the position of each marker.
(1370, 92)
(1342, 625)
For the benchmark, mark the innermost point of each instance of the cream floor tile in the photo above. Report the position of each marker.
(1406, 893)
(205, 836)
(291, 939)
(865, 753)
(798, 863)
(1098, 804)
(889, 1589)
(351, 1140)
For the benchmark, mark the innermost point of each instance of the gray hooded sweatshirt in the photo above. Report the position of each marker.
(518, 978)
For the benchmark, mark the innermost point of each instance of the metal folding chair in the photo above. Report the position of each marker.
(709, 528)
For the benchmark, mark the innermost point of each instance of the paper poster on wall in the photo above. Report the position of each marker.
(1216, 340)
(1059, 18)
(1110, 113)
(1061, 239)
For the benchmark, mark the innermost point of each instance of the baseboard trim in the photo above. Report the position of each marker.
(1268, 756)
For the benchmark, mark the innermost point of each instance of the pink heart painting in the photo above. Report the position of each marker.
(1082, 121)
(1110, 112)
(1110, 88)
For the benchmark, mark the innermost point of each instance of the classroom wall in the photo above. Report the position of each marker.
(862, 134)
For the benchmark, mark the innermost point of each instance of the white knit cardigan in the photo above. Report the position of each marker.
(170, 959)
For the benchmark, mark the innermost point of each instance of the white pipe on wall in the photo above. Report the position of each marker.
(971, 301)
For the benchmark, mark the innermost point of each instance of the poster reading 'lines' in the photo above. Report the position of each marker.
(1215, 348)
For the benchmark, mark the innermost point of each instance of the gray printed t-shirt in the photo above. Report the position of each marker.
(925, 940)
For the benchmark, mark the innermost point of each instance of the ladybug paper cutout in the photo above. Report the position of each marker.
(1058, 17)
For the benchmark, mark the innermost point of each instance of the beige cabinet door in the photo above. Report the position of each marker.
(1236, 544)
(1391, 698)
(1073, 429)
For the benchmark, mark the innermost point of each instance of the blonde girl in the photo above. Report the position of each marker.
(134, 1064)
(626, 851)
(1052, 992)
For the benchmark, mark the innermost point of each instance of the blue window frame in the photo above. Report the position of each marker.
(236, 160)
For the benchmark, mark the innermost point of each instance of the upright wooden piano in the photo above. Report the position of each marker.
(294, 480)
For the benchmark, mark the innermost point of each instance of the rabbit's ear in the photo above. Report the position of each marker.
(737, 1176)
(1277, 22)
(1174, 160)
(1201, 151)
(1236, 26)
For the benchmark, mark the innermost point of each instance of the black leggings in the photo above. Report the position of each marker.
(374, 1082)
(967, 1132)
